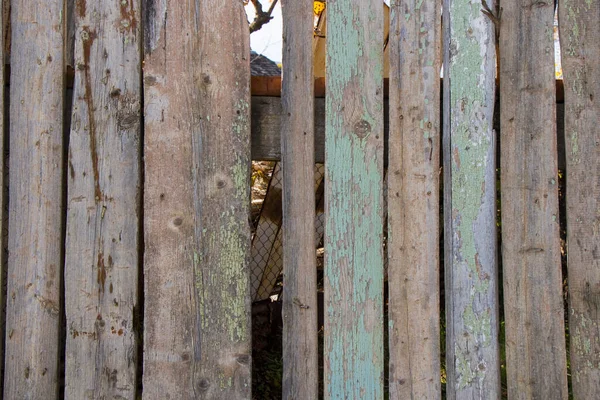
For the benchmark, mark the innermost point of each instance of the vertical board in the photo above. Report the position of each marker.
(533, 303)
(101, 250)
(472, 353)
(197, 200)
(354, 200)
(580, 42)
(413, 200)
(35, 215)
(300, 361)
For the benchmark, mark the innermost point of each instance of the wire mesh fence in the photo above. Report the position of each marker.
(266, 264)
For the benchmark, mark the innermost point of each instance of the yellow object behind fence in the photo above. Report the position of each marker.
(318, 7)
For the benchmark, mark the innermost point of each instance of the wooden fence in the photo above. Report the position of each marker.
(127, 208)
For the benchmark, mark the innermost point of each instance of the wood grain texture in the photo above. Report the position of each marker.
(533, 304)
(472, 353)
(36, 206)
(104, 188)
(354, 201)
(300, 360)
(267, 114)
(73, 8)
(413, 200)
(580, 44)
(197, 198)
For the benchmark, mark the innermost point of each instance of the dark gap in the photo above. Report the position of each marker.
(500, 288)
(562, 215)
(4, 223)
(68, 103)
(138, 310)
(441, 273)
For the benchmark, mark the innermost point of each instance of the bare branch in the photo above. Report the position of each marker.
(261, 17)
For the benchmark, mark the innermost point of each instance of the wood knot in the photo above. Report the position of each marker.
(362, 129)
(203, 385)
(243, 359)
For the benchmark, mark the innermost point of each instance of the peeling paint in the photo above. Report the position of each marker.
(354, 228)
(471, 69)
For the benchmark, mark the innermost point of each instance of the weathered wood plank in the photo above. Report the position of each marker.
(472, 353)
(354, 201)
(533, 305)
(35, 215)
(101, 248)
(300, 360)
(580, 40)
(413, 200)
(197, 197)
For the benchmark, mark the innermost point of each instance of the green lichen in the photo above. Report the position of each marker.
(478, 325)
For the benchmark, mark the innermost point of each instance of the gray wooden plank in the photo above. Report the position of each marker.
(533, 304)
(104, 187)
(35, 215)
(472, 352)
(353, 339)
(300, 359)
(413, 200)
(580, 44)
(196, 199)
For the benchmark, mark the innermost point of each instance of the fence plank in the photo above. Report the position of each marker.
(300, 361)
(413, 200)
(472, 354)
(197, 198)
(101, 250)
(35, 221)
(354, 209)
(533, 306)
(580, 40)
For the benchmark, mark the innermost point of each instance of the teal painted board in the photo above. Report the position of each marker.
(413, 196)
(580, 44)
(354, 201)
(472, 352)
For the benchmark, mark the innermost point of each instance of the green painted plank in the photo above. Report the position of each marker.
(532, 278)
(580, 44)
(35, 234)
(197, 200)
(354, 201)
(472, 353)
(413, 196)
